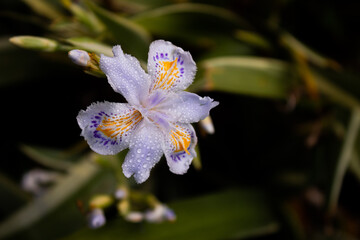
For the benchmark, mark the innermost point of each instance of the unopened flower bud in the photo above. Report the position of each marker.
(207, 125)
(170, 215)
(36, 181)
(96, 218)
(101, 201)
(79, 57)
(121, 193)
(123, 207)
(37, 43)
(134, 217)
(159, 214)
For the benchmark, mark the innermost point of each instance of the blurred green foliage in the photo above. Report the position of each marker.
(286, 74)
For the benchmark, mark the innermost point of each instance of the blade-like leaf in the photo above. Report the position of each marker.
(132, 37)
(83, 16)
(37, 219)
(344, 159)
(195, 23)
(44, 8)
(246, 75)
(12, 196)
(229, 214)
(51, 158)
(18, 65)
(90, 45)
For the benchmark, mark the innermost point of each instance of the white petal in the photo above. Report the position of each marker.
(107, 126)
(180, 148)
(186, 107)
(126, 76)
(145, 151)
(170, 67)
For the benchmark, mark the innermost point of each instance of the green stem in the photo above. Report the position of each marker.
(344, 159)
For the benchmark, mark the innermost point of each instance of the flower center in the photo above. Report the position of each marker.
(151, 113)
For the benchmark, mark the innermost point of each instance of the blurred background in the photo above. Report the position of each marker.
(283, 162)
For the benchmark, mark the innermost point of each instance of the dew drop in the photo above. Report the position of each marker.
(139, 150)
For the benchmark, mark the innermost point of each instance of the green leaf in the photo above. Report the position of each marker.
(295, 45)
(230, 214)
(36, 43)
(84, 16)
(194, 23)
(252, 76)
(344, 159)
(12, 196)
(54, 214)
(52, 158)
(335, 93)
(44, 8)
(253, 39)
(18, 65)
(133, 38)
(354, 165)
(90, 45)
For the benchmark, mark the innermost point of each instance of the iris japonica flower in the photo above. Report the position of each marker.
(156, 120)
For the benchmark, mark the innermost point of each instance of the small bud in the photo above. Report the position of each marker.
(134, 217)
(37, 181)
(159, 214)
(36, 43)
(207, 125)
(101, 201)
(123, 207)
(79, 57)
(121, 193)
(170, 215)
(96, 218)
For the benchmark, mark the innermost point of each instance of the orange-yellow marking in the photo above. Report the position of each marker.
(169, 72)
(181, 140)
(112, 127)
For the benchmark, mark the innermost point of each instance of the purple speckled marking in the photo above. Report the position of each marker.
(177, 156)
(161, 55)
(101, 138)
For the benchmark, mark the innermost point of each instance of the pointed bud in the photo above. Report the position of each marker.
(37, 181)
(96, 218)
(121, 193)
(134, 217)
(159, 214)
(36, 43)
(79, 57)
(123, 207)
(170, 215)
(207, 125)
(101, 201)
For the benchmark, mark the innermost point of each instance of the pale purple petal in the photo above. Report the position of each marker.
(107, 126)
(186, 107)
(126, 76)
(170, 67)
(180, 148)
(145, 151)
